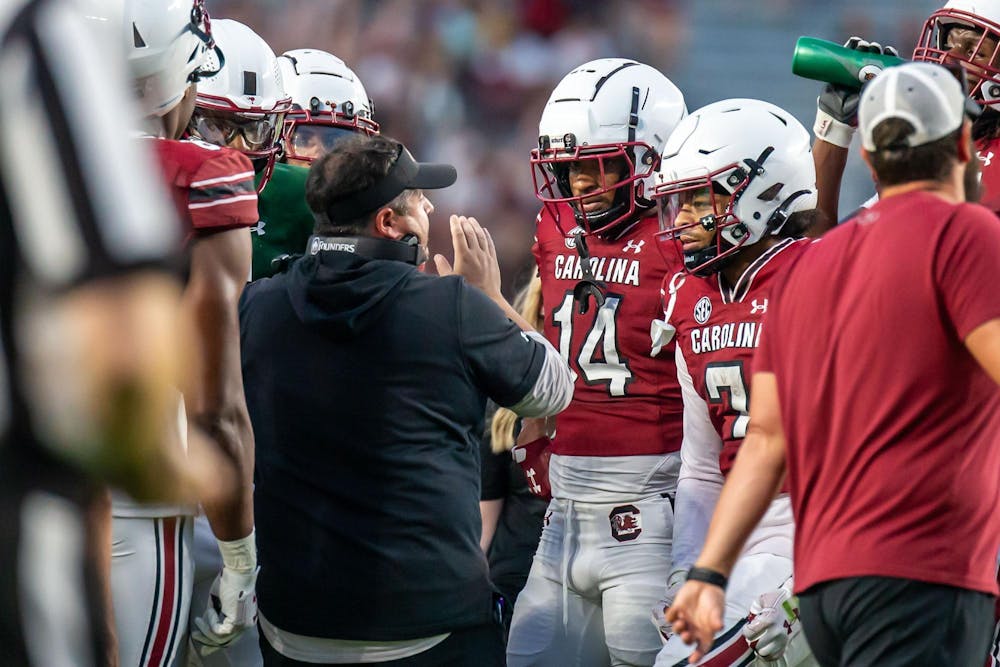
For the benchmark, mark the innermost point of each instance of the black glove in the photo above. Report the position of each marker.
(837, 106)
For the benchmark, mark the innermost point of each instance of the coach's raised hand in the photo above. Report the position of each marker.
(475, 255)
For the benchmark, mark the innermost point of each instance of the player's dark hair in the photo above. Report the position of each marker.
(800, 222)
(896, 163)
(352, 166)
(987, 126)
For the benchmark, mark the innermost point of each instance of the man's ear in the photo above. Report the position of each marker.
(965, 149)
(384, 224)
(866, 156)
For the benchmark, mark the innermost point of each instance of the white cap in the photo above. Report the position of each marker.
(926, 95)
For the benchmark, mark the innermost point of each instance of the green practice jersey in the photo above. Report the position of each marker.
(286, 223)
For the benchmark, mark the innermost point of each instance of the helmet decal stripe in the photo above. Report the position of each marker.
(604, 79)
(633, 114)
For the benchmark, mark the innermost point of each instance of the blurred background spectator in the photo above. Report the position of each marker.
(464, 81)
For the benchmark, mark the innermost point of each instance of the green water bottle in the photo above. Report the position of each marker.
(826, 61)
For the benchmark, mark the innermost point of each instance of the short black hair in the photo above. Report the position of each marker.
(987, 126)
(800, 222)
(352, 166)
(895, 162)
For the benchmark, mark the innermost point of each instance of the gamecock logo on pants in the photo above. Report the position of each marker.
(625, 523)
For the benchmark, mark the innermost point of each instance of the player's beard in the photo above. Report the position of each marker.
(972, 178)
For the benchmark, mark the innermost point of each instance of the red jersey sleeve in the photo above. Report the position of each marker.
(967, 267)
(222, 194)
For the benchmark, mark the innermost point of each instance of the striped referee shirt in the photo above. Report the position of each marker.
(79, 197)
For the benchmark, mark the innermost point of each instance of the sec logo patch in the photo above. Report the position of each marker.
(702, 310)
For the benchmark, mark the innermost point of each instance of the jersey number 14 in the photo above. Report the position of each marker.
(609, 367)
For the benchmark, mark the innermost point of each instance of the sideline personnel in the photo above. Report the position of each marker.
(888, 434)
(367, 382)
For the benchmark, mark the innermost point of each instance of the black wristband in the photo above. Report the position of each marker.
(707, 575)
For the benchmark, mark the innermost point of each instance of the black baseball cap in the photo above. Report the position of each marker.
(404, 174)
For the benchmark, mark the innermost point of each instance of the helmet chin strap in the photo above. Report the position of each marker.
(589, 286)
(780, 216)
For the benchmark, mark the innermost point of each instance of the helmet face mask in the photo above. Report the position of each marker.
(309, 141)
(955, 36)
(710, 211)
(613, 172)
(258, 131)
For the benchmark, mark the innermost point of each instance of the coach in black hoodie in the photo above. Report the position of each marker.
(366, 381)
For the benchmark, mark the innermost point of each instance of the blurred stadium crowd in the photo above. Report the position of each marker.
(465, 81)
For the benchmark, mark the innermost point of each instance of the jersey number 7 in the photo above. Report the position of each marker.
(726, 377)
(610, 367)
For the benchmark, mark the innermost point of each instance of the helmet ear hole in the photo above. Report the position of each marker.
(771, 193)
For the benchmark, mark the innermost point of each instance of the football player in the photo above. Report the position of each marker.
(966, 33)
(329, 104)
(963, 34)
(605, 549)
(241, 101)
(737, 188)
(213, 189)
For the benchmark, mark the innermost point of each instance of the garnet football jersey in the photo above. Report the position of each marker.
(212, 187)
(989, 164)
(626, 402)
(717, 332)
(213, 190)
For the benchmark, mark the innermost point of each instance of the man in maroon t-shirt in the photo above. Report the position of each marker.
(875, 391)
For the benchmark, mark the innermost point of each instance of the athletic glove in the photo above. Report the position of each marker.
(674, 583)
(772, 622)
(837, 106)
(232, 604)
(533, 457)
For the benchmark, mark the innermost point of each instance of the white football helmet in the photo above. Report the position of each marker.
(166, 44)
(243, 104)
(329, 103)
(977, 55)
(609, 110)
(752, 151)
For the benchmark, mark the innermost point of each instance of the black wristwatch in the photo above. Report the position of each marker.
(708, 575)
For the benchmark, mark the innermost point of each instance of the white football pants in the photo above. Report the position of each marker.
(151, 580)
(598, 570)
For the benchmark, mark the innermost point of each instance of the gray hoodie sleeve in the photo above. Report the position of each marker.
(553, 390)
